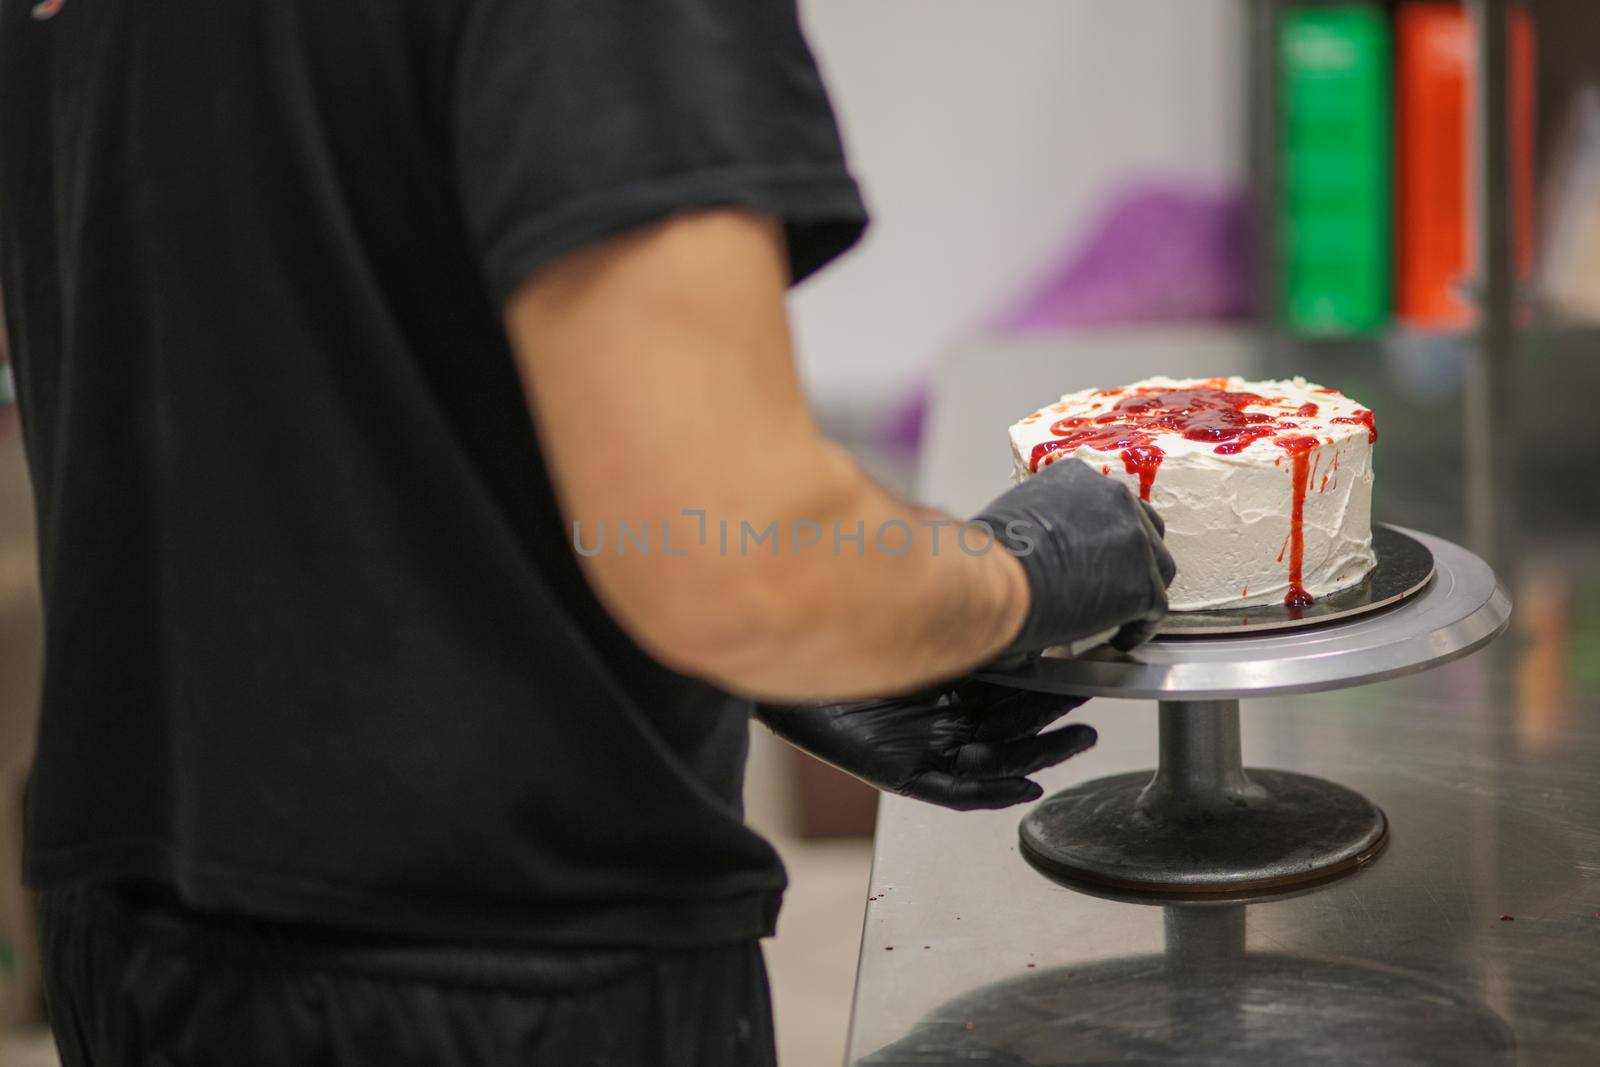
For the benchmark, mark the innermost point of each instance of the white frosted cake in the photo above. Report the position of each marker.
(1265, 487)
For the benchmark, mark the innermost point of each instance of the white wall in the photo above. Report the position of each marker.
(986, 133)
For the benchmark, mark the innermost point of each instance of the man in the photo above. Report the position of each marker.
(336, 325)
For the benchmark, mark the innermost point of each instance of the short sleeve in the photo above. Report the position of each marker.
(574, 120)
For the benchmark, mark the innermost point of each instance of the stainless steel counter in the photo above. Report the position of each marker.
(1474, 938)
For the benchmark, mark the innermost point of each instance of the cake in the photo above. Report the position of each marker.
(1265, 487)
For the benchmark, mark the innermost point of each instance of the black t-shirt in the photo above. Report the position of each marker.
(317, 645)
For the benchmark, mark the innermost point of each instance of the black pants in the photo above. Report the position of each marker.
(132, 979)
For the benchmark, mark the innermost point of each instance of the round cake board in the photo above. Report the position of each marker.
(1405, 566)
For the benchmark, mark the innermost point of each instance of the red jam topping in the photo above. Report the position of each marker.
(1131, 427)
(1208, 412)
(1299, 448)
(1361, 418)
(1246, 437)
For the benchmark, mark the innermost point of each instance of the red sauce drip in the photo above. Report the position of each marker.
(1361, 418)
(1299, 448)
(1143, 460)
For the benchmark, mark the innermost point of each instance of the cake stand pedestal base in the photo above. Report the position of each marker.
(1202, 824)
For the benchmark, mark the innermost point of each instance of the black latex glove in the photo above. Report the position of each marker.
(1096, 559)
(963, 745)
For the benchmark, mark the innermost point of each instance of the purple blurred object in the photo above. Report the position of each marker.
(1162, 252)
(903, 429)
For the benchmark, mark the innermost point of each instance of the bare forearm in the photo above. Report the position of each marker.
(834, 589)
(902, 595)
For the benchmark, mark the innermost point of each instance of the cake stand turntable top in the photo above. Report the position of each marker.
(1459, 611)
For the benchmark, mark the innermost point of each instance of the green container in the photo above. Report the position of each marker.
(1335, 168)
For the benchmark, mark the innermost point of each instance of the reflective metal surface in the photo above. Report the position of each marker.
(1201, 823)
(1460, 611)
(1494, 807)
(1474, 938)
(1404, 566)
(1203, 1000)
(1489, 444)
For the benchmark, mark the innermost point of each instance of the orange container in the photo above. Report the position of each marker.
(1436, 84)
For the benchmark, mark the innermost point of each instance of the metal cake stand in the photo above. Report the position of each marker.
(1202, 823)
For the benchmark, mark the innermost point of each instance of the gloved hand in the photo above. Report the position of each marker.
(965, 744)
(1093, 555)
